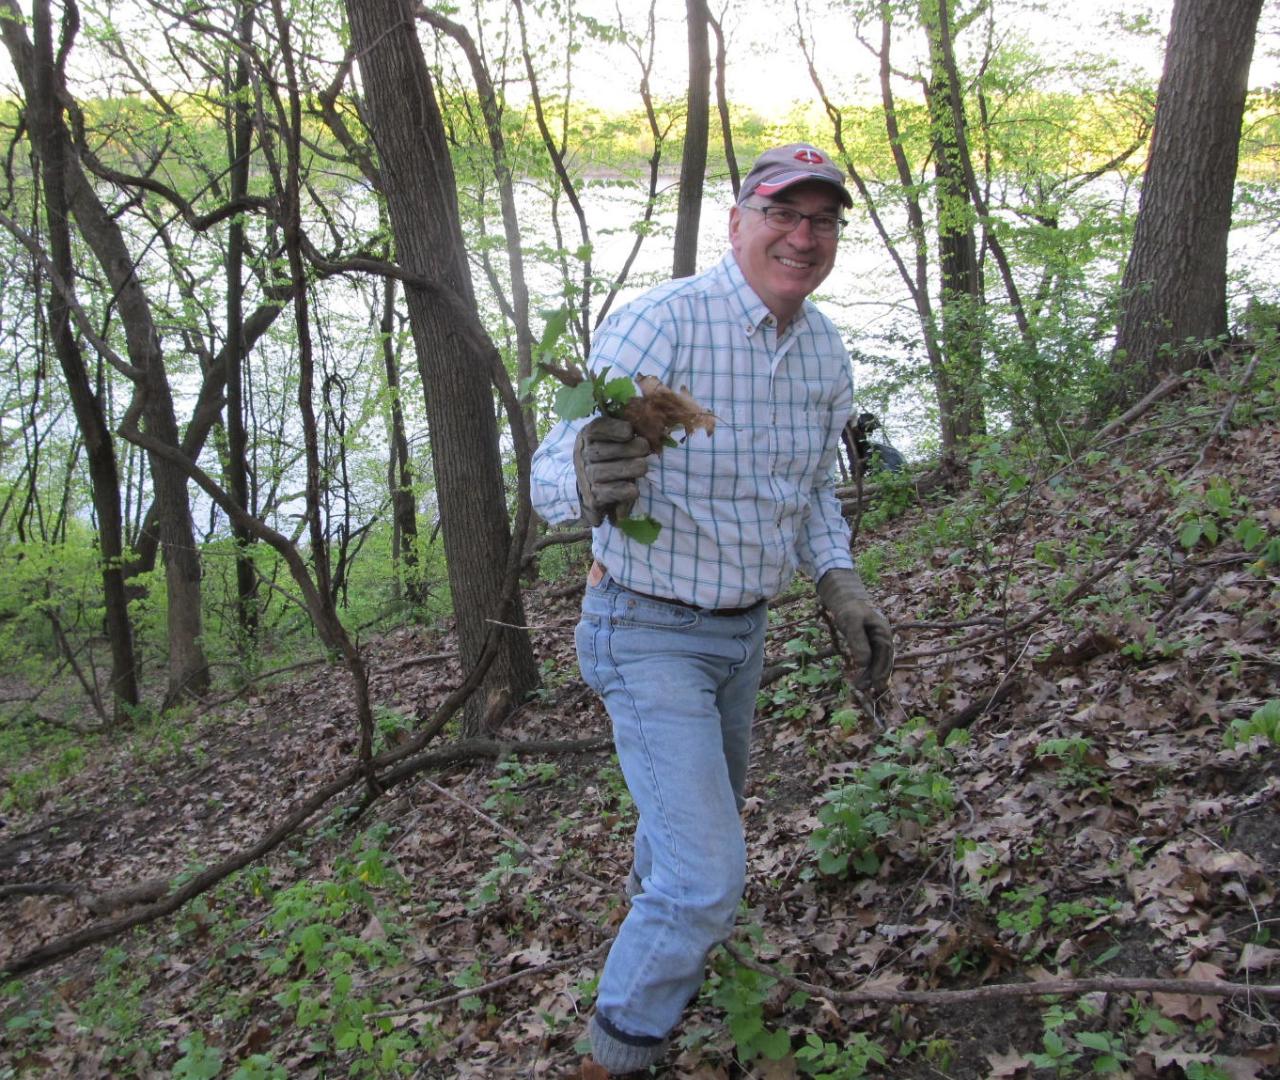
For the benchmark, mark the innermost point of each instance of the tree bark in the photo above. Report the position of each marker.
(188, 669)
(693, 162)
(1174, 292)
(491, 110)
(421, 198)
(961, 274)
(404, 515)
(241, 125)
(44, 120)
(722, 107)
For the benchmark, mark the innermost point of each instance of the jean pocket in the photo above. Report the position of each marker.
(584, 639)
(650, 613)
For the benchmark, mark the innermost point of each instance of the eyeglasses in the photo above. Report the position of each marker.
(784, 219)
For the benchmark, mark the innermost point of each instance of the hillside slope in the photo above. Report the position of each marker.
(1070, 776)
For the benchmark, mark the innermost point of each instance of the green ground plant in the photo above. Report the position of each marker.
(906, 784)
(514, 779)
(1263, 724)
(1075, 762)
(742, 993)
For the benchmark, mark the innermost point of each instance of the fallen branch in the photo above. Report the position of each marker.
(502, 830)
(474, 991)
(405, 761)
(1174, 382)
(215, 703)
(414, 661)
(965, 717)
(558, 536)
(774, 672)
(1220, 428)
(100, 903)
(1006, 991)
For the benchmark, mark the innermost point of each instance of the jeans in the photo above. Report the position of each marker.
(680, 688)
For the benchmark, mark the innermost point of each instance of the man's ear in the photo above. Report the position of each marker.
(735, 223)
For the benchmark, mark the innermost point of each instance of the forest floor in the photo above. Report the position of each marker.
(1075, 774)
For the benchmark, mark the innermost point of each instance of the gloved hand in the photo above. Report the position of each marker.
(608, 458)
(865, 630)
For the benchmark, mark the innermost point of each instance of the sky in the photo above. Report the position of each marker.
(767, 71)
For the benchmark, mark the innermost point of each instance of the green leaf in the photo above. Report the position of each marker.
(775, 1046)
(642, 530)
(526, 385)
(575, 402)
(1053, 1044)
(1190, 533)
(1250, 534)
(557, 320)
(200, 1062)
(619, 391)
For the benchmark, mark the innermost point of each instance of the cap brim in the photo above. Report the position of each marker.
(799, 178)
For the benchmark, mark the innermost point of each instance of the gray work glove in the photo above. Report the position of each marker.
(608, 458)
(865, 630)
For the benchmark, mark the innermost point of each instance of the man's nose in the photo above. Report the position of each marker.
(802, 236)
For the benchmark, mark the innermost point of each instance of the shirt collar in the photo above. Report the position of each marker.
(753, 311)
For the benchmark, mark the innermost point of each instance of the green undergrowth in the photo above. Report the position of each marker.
(309, 959)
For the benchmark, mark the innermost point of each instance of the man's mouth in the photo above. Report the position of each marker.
(793, 263)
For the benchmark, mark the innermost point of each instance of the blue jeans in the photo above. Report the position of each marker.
(680, 687)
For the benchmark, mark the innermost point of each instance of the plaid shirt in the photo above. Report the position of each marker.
(741, 509)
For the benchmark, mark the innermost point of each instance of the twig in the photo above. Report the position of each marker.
(1220, 428)
(498, 827)
(413, 661)
(214, 703)
(1174, 382)
(965, 717)
(473, 991)
(1007, 991)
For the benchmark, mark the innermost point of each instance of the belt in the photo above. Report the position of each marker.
(723, 611)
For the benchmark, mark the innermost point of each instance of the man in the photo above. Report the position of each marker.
(672, 633)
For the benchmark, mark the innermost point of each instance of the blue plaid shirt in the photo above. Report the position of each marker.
(741, 509)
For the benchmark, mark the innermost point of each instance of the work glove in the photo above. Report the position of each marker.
(608, 458)
(865, 630)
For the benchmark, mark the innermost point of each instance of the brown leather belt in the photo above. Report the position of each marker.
(598, 569)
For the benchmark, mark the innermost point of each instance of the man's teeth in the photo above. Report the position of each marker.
(793, 263)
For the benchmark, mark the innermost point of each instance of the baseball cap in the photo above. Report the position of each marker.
(783, 166)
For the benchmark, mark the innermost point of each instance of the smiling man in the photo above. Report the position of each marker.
(672, 633)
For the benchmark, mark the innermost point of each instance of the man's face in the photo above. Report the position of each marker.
(784, 268)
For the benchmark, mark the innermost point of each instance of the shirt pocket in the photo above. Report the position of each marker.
(725, 465)
(799, 435)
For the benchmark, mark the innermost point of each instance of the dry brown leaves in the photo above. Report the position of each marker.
(1166, 842)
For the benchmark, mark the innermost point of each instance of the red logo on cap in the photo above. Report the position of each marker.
(811, 157)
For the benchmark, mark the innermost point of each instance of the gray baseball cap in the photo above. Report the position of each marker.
(783, 166)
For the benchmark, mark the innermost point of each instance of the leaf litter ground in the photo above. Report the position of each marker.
(1092, 822)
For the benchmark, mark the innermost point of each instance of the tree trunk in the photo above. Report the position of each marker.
(722, 107)
(404, 515)
(422, 200)
(693, 163)
(1174, 293)
(188, 669)
(490, 107)
(237, 439)
(961, 275)
(44, 120)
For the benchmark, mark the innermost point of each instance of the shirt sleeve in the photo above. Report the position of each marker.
(823, 540)
(553, 484)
